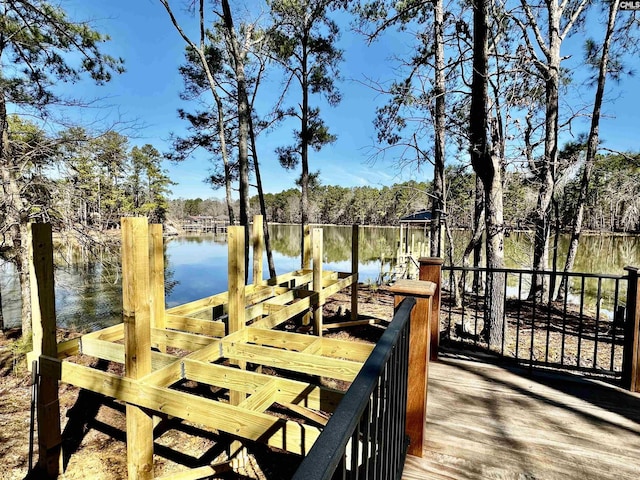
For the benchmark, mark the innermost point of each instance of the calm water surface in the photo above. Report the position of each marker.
(88, 296)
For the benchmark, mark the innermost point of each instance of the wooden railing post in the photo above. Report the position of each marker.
(136, 311)
(418, 357)
(631, 352)
(43, 318)
(431, 271)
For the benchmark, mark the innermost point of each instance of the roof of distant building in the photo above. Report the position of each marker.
(421, 216)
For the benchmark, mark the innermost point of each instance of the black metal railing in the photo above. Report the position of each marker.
(577, 328)
(365, 437)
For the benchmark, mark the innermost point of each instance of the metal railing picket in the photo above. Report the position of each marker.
(573, 327)
(376, 395)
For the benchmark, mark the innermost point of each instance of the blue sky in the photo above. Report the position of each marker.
(147, 94)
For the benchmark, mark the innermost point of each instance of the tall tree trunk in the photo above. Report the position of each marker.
(438, 206)
(592, 149)
(16, 218)
(495, 259)
(243, 126)
(488, 166)
(304, 148)
(548, 171)
(1, 313)
(225, 157)
(263, 206)
(479, 226)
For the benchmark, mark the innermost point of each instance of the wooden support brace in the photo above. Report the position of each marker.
(418, 357)
(243, 423)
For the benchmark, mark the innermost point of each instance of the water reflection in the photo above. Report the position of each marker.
(88, 292)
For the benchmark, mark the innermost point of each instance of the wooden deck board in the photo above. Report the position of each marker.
(488, 422)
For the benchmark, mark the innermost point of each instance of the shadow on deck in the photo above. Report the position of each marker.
(491, 422)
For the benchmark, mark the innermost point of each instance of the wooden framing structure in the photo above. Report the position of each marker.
(210, 341)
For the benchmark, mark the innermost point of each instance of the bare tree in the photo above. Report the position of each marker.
(548, 30)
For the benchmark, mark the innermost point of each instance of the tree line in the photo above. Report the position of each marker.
(613, 204)
(483, 88)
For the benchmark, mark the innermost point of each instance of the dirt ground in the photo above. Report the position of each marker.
(94, 427)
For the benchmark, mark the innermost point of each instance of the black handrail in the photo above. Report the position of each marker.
(373, 408)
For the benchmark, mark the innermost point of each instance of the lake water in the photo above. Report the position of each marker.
(88, 297)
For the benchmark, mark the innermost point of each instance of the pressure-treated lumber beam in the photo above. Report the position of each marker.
(283, 315)
(115, 352)
(293, 361)
(254, 294)
(69, 348)
(330, 347)
(182, 340)
(303, 304)
(314, 348)
(110, 334)
(306, 413)
(288, 390)
(262, 399)
(355, 246)
(165, 376)
(274, 338)
(236, 321)
(136, 312)
(43, 321)
(212, 328)
(242, 423)
(356, 351)
(297, 277)
(317, 280)
(352, 323)
(199, 473)
(156, 279)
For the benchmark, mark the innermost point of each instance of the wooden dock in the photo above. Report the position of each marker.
(488, 422)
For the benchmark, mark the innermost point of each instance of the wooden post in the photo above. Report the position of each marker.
(631, 352)
(236, 263)
(306, 248)
(137, 340)
(430, 271)
(237, 318)
(317, 280)
(156, 280)
(418, 357)
(43, 318)
(257, 234)
(355, 245)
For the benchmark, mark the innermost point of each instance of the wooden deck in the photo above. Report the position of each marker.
(489, 422)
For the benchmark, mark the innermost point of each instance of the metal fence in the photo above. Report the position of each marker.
(365, 437)
(580, 330)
